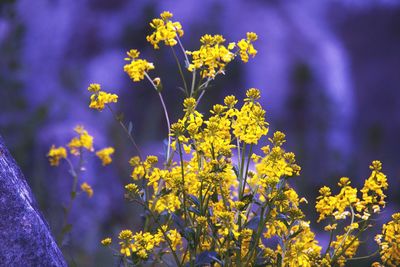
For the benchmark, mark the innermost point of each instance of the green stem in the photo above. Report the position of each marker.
(180, 71)
(183, 181)
(126, 131)
(247, 168)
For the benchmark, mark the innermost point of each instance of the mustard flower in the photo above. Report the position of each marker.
(388, 242)
(56, 154)
(212, 57)
(246, 47)
(126, 237)
(84, 140)
(100, 98)
(106, 241)
(350, 242)
(105, 155)
(87, 189)
(250, 125)
(165, 30)
(144, 243)
(137, 68)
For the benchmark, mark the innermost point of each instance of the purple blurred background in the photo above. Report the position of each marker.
(328, 72)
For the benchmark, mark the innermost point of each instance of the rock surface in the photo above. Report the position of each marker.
(25, 238)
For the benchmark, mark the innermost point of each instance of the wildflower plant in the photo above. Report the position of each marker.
(204, 204)
(74, 154)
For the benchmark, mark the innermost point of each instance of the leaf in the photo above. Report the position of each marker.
(130, 127)
(194, 199)
(206, 258)
(253, 223)
(194, 210)
(178, 221)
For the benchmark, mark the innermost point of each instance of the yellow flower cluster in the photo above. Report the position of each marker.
(141, 244)
(246, 47)
(137, 68)
(126, 237)
(106, 241)
(250, 124)
(87, 189)
(347, 202)
(388, 242)
(105, 155)
(165, 30)
(212, 56)
(84, 140)
(100, 98)
(350, 242)
(56, 154)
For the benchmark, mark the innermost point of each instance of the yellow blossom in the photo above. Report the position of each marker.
(388, 242)
(106, 241)
(56, 154)
(137, 68)
(165, 30)
(84, 140)
(104, 155)
(212, 57)
(126, 237)
(100, 98)
(87, 189)
(246, 47)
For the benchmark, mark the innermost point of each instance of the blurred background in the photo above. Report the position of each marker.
(329, 72)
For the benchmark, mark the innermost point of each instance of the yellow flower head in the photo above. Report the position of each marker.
(94, 87)
(56, 154)
(87, 189)
(105, 155)
(132, 54)
(165, 30)
(137, 68)
(126, 237)
(84, 140)
(212, 57)
(132, 188)
(100, 98)
(246, 47)
(388, 242)
(106, 241)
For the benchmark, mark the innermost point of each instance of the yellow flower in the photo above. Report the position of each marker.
(126, 237)
(132, 188)
(87, 189)
(56, 154)
(250, 124)
(137, 68)
(246, 47)
(350, 242)
(372, 191)
(389, 242)
(175, 238)
(84, 140)
(212, 57)
(94, 87)
(106, 241)
(100, 98)
(165, 30)
(144, 243)
(104, 155)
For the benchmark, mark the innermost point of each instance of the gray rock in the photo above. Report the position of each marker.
(25, 237)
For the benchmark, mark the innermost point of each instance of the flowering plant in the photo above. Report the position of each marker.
(204, 203)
